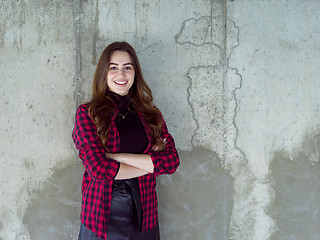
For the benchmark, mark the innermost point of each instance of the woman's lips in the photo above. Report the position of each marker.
(120, 82)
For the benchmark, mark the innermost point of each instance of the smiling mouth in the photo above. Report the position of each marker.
(121, 82)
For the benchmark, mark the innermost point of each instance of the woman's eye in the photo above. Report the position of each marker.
(112, 68)
(128, 68)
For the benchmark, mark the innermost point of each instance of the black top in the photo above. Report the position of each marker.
(133, 137)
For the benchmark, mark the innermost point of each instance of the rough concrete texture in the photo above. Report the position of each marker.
(237, 82)
(278, 106)
(37, 69)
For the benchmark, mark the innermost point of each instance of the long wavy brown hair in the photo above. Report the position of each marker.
(101, 106)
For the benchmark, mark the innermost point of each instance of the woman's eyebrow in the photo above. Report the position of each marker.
(118, 64)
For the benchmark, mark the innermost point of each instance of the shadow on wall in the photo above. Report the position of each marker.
(296, 183)
(55, 213)
(196, 202)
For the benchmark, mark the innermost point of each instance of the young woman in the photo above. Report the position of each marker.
(124, 145)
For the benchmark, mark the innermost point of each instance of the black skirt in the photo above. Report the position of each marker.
(125, 215)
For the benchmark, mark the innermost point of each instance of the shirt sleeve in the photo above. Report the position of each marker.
(91, 152)
(167, 161)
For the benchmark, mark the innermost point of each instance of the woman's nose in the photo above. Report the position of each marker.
(121, 72)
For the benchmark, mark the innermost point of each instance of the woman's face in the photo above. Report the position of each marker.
(120, 73)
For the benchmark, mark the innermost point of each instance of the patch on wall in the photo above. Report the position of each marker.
(196, 201)
(55, 212)
(296, 184)
(206, 101)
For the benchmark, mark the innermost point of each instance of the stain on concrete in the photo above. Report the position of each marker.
(196, 202)
(296, 184)
(54, 212)
(29, 165)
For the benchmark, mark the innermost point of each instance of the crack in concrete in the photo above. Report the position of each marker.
(146, 48)
(211, 22)
(237, 37)
(225, 68)
(192, 109)
(206, 18)
(141, 4)
(233, 92)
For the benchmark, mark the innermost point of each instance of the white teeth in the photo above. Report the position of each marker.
(117, 82)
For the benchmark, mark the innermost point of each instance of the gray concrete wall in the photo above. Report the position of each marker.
(237, 82)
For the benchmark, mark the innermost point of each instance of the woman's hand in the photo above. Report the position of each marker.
(155, 148)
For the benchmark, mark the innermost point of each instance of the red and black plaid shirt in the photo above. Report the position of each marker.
(100, 172)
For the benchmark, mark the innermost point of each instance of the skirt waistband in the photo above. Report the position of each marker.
(132, 182)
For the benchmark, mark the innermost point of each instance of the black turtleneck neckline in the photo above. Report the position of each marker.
(133, 137)
(122, 102)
